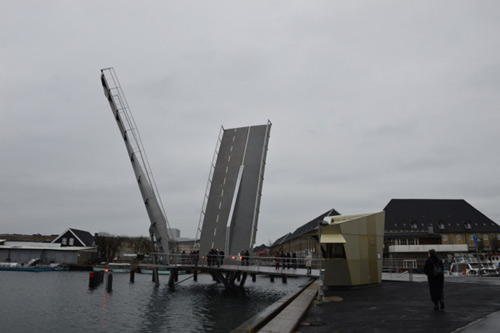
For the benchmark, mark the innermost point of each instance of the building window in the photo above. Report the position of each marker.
(406, 241)
(64, 241)
(498, 236)
(413, 225)
(71, 241)
(458, 237)
(467, 225)
(471, 237)
(441, 225)
(485, 237)
(335, 250)
(445, 238)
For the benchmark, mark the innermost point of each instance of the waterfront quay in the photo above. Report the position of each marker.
(401, 303)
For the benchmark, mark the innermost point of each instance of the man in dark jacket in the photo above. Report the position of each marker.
(434, 270)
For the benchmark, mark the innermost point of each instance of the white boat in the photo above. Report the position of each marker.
(473, 266)
(31, 266)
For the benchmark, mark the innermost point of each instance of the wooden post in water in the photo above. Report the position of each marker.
(109, 284)
(156, 278)
(92, 280)
(271, 277)
(195, 276)
(132, 276)
(254, 277)
(283, 278)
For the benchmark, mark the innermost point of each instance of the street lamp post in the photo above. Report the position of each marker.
(321, 293)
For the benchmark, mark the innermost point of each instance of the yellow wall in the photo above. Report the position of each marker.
(364, 235)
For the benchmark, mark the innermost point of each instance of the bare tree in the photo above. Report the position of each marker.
(108, 245)
(141, 245)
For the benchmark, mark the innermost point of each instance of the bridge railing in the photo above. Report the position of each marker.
(235, 260)
(402, 265)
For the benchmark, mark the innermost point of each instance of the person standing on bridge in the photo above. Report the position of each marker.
(221, 257)
(277, 260)
(309, 260)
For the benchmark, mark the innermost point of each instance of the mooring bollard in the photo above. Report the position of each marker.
(132, 276)
(109, 284)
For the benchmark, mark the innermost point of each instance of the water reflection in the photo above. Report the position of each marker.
(61, 301)
(205, 306)
(156, 310)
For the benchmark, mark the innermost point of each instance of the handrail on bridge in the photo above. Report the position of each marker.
(218, 260)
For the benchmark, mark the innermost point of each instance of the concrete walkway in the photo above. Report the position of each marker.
(397, 305)
(400, 303)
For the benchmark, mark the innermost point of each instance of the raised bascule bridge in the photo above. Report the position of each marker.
(230, 210)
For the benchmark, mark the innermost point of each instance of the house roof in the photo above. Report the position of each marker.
(443, 215)
(281, 239)
(259, 248)
(84, 237)
(311, 225)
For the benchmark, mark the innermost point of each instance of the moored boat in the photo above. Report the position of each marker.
(115, 267)
(31, 266)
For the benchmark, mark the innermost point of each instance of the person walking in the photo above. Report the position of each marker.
(435, 277)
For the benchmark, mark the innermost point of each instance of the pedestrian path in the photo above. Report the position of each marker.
(490, 323)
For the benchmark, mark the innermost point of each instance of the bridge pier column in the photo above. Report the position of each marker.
(243, 279)
(173, 277)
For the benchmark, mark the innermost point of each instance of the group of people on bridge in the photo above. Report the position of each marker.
(215, 258)
(286, 259)
(191, 258)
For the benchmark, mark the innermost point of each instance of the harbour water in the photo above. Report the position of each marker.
(62, 302)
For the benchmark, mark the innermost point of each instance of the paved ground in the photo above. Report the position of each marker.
(472, 305)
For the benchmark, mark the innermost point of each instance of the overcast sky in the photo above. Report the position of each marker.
(369, 100)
